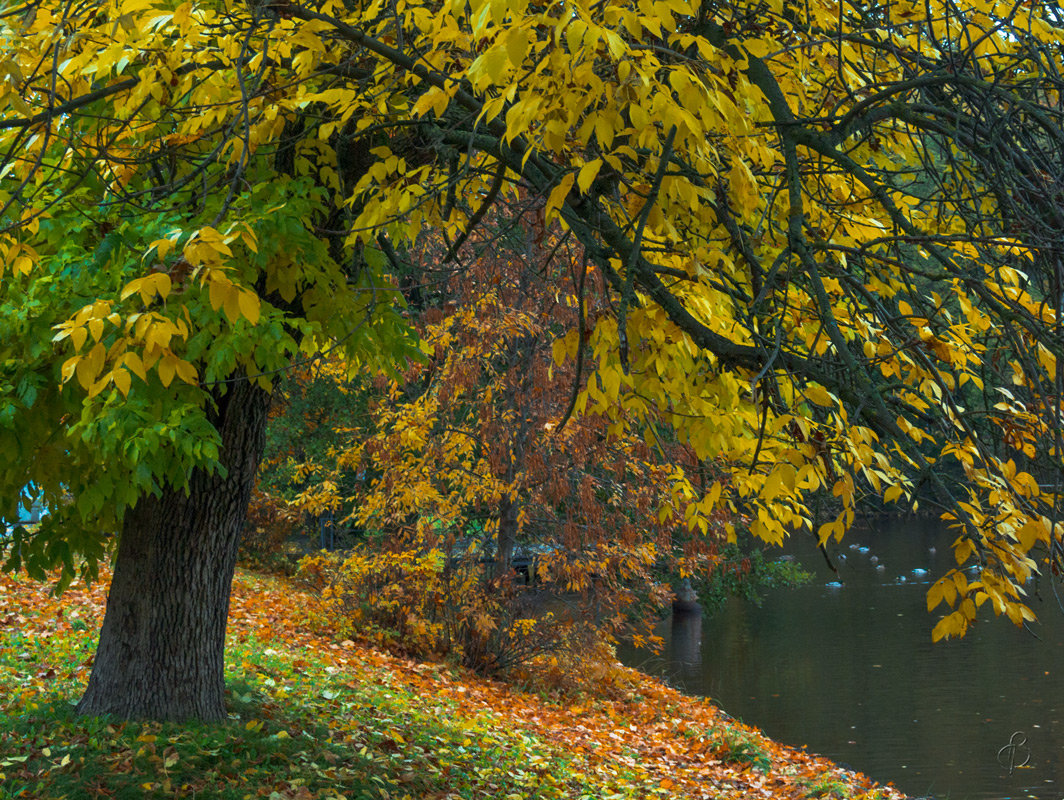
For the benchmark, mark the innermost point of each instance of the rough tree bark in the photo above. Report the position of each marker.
(161, 649)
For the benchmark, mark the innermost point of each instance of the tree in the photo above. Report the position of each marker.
(826, 230)
(477, 455)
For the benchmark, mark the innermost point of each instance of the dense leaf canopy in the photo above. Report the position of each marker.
(830, 232)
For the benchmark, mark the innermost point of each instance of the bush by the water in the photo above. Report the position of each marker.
(430, 603)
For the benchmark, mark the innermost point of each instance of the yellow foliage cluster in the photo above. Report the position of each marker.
(818, 279)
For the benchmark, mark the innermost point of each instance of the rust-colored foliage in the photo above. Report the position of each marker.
(270, 523)
(479, 464)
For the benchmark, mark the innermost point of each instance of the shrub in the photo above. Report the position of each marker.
(431, 604)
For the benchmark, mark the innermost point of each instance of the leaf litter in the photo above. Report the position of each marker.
(314, 718)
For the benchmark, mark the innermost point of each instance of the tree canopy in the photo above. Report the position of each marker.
(829, 233)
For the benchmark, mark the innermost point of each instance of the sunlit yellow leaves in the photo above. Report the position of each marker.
(780, 480)
(517, 41)
(963, 549)
(170, 365)
(116, 337)
(16, 256)
(949, 589)
(435, 100)
(743, 189)
(819, 395)
(558, 196)
(587, 174)
(956, 623)
(565, 347)
(234, 300)
(797, 255)
(157, 284)
(893, 493)
(89, 366)
(489, 68)
(1032, 532)
(135, 364)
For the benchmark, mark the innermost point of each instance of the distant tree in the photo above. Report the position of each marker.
(478, 451)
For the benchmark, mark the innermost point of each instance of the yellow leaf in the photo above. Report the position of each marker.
(181, 15)
(496, 64)
(934, 594)
(962, 548)
(186, 372)
(68, 367)
(772, 485)
(131, 288)
(558, 195)
(825, 532)
(435, 100)
(611, 383)
(133, 362)
(742, 187)
(249, 306)
(89, 366)
(712, 496)
(517, 46)
(640, 118)
(219, 289)
(587, 175)
(232, 303)
(162, 247)
(122, 380)
(819, 395)
(892, 493)
(210, 237)
(1031, 533)
(166, 369)
(160, 284)
(950, 625)
(558, 351)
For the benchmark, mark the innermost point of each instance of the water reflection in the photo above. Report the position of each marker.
(685, 643)
(851, 672)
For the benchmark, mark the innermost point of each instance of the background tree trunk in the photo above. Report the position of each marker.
(507, 538)
(161, 649)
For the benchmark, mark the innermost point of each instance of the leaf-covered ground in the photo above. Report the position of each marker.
(315, 718)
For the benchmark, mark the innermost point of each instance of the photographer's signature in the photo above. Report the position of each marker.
(1016, 753)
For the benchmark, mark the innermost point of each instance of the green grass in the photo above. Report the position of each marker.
(298, 728)
(736, 747)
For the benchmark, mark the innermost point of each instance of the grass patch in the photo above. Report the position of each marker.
(50, 753)
(298, 728)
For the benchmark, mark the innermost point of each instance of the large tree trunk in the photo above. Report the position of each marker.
(161, 650)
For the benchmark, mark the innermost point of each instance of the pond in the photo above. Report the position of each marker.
(850, 671)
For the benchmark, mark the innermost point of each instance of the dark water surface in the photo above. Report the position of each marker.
(851, 672)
